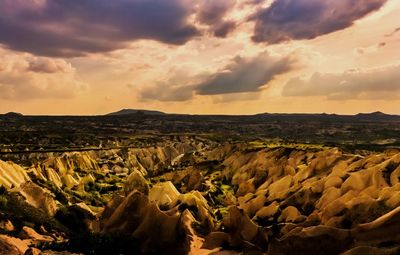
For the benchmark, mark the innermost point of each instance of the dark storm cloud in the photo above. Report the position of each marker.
(224, 28)
(212, 13)
(242, 75)
(381, 83)
(285, 20)
(73, 28)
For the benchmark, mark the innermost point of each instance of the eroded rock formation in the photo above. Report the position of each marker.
(198, 198)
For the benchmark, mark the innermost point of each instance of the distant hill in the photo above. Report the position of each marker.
(374, 115)
(12, 114)
(135, 111)
(378, 113)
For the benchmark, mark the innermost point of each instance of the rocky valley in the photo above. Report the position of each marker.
(193, 193)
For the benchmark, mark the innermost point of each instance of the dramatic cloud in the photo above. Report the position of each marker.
(242, 75)
(383, 83)
(285, 20)
(224, 28)
(23, 78)
(66, 28)
(73, 28)
(212, 13)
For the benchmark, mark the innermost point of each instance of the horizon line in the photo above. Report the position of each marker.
(197, 114)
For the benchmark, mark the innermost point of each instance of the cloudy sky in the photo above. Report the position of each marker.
(199, 56)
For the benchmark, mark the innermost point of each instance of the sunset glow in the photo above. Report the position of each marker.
(199, 57)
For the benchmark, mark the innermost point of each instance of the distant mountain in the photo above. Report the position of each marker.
(373, 114)
(12, 114)
(376, 115)
(135, 111)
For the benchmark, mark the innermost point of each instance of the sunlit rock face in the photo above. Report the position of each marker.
(199, 197)
(39, 197)
(12, 175)
(136, 217)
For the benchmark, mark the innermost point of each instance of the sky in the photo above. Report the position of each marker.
(70, 57)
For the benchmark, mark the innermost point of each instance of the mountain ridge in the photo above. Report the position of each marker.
(135, 111)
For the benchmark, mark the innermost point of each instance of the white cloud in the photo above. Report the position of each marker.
(24, 77)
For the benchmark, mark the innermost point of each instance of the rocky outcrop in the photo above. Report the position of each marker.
(322, 199)
(12, 175)
(136, 181)
(12, 246)
(163, 194)
(39, 197)
(150, 228)
(28, 233)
